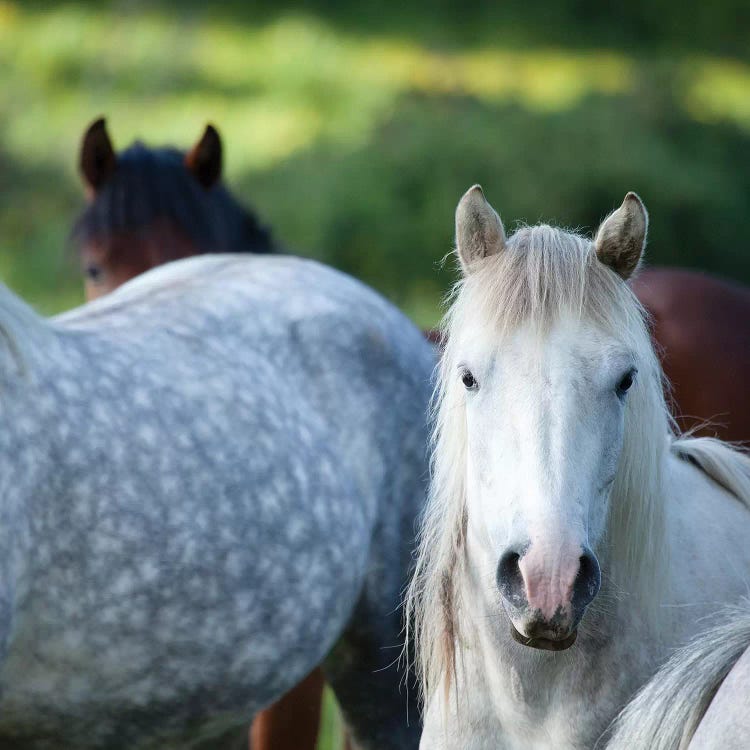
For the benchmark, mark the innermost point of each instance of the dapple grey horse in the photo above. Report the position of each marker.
(209, 482)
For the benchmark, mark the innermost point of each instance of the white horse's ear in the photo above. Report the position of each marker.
(621, 238)
(479, 231)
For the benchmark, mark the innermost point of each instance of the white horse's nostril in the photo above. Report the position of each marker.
(588, 581)
(557, 579)
(510, 580)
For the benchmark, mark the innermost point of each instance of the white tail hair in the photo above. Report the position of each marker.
(668, 709)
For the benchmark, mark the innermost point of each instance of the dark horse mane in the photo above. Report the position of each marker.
(140, 187)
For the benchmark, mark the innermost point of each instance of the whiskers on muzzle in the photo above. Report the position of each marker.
(546, 596)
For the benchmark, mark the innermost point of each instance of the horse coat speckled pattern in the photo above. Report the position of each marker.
(209, 479)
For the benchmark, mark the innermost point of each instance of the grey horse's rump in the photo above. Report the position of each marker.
(209, 479)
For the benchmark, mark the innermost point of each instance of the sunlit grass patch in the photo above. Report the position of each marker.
(276, 87)
(331, 726)
(719, 90)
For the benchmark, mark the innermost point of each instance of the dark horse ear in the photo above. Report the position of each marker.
(621, 239)
(98, 159)
(204, 159)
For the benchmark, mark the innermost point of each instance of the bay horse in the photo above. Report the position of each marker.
(210, 479)
(151, 205)
(572, 536)
(148, 206)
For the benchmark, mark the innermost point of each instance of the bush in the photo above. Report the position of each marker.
(384, 212)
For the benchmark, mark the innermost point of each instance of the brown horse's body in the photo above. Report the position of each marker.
(701, 327)
(294, 720)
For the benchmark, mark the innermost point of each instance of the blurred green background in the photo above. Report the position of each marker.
(353, 128)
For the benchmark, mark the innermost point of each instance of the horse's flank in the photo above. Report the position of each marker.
(699, 326)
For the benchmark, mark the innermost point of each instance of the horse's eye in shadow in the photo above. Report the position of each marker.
(625, 383)
(469, 381)
(94, 273)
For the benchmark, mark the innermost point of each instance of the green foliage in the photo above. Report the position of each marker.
(384, 211)
(330, 736)
(355, 139)
(674, 25)
(354, 134)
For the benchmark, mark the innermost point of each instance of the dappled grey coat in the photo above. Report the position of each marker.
(209, 479)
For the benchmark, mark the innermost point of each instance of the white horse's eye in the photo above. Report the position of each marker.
(469, 381)
(625, 383)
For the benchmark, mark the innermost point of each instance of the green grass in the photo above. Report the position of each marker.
(331, 727)
(354, 133)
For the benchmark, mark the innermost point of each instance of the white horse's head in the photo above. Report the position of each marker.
(546, 345)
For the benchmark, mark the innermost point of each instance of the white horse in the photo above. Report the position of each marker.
(572, 539)
(699, 700)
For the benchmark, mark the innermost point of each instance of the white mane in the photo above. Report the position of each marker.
(540, 274)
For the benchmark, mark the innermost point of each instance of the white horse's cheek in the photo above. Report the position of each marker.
(482, 515)
(487, 516)
(598, 519)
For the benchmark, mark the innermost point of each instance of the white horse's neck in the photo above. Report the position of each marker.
(533, 697)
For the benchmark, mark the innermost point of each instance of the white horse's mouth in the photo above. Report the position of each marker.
(544, 644)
